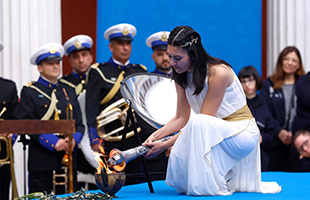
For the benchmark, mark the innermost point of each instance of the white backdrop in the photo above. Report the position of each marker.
(288, 25)
(25, 25)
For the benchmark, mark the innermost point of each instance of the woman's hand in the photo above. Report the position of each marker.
(150, 139)
(285, 136)
(156, 148)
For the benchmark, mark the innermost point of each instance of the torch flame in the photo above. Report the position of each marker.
(101, 162)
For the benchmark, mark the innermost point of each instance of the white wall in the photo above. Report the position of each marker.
(25, 25)
(288, 25)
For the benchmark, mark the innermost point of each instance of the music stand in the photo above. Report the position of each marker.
(22, 127)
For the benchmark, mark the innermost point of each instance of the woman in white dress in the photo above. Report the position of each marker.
(217, 151)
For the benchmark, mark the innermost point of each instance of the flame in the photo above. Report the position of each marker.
(102, 162)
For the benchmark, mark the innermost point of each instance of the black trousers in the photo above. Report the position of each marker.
(5, 178)
(43, 181)
(5, 174)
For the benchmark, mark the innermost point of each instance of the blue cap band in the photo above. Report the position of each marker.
(72, 48)
(46, 55)
(158, 42)
(119, 35)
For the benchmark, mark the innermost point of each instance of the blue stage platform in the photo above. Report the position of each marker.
(294, 186)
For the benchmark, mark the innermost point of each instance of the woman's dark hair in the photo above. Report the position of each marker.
(278, 74)
(247, 72)
(189, 40)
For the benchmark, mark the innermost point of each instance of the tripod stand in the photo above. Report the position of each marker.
(25, 142)
(131, 119)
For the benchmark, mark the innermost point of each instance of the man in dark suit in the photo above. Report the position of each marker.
(47, 99)
(8, 110)
(77, 48)
(158, 43)
(103, 90)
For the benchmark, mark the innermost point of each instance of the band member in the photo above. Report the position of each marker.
(77, 48)
(103, 90)
(47, 99)
(158, 42)
(8, 110)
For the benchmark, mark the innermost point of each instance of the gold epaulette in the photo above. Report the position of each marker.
(143, 67)
(30, 83)
(95, 65)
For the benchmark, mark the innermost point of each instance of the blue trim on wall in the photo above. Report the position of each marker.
(230, 29)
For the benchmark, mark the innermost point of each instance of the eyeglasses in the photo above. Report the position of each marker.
(244, 81)
(304, 145)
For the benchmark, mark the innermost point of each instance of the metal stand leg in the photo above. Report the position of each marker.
(25, 142)
(133, 123)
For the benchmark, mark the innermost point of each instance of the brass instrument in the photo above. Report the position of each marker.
(10, 160)
(115, 111)
(66, 161)
(69, 112)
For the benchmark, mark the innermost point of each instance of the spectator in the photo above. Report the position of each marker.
(279, 93)
(251, 83)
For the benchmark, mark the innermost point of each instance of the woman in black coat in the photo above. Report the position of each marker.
(251, 83)
(279, 93)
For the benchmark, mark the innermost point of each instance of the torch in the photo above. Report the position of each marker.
(118, 159)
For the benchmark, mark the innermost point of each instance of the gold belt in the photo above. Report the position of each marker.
(243, 113)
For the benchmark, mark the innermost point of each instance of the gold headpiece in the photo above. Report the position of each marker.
(190, 43)
(125, 31)
(53, 49)
(77, 44)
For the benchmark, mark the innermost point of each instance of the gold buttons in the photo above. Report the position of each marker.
(83, 81)
(4, 102)
(46, 141)
(45, 106)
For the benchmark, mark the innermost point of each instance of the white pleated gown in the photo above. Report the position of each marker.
(217, 157)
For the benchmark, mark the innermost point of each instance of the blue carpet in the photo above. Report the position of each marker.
(294, 186)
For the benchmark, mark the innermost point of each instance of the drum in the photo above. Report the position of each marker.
(152, 96)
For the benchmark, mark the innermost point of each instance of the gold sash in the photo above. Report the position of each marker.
(78, 88)
(52, 108)
(243, 113)
(114, 89)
